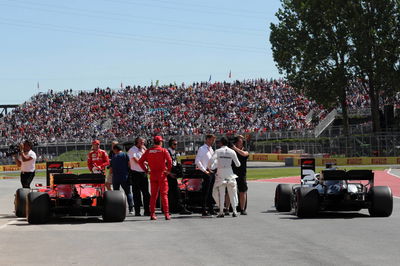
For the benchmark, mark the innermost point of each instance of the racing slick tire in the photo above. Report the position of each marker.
(38, 207)
(283, 196)
(20, 201)
(381, 204)
(114, 206)
(306, 202)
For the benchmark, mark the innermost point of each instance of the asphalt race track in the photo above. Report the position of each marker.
(264, 237)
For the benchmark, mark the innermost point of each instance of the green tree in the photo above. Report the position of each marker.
(323, 45)
(310, 45)
(375, 49)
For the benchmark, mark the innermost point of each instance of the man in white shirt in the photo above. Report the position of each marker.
(203, 157)
(140, 182)
(225, 178)
(26, 159)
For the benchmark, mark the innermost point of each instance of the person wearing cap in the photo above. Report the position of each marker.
(159, 163)
(97, 159)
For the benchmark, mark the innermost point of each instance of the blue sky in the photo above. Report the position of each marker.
(85, 44)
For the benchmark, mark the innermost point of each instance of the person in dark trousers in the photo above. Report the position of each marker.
(174, 196)
(241, 172)
(26, 159)
(109, 174)
(140, 182)
(119, 168)
(203, 156)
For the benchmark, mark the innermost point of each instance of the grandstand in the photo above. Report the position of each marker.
(221, 108)
(259, 108)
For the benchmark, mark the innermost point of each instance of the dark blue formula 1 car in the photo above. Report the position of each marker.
(333, 190)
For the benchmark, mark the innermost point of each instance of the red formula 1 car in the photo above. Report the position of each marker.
(191, 185)
(70, 194)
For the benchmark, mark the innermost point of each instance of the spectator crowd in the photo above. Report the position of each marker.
(219, 108)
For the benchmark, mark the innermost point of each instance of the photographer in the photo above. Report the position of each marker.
(26, 159)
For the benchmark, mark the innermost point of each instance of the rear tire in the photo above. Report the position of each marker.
(306, 202)
(381, 201)
(20, 201)
(283, 197)
(38, 207)
(114, 206)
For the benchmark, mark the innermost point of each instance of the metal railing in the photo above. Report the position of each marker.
(324, 124)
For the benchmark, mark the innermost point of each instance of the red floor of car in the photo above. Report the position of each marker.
(382, 178)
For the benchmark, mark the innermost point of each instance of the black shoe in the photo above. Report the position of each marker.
(138, 214)
(185, 211)
(243, 212)
(146, 214)
(234, 214)
(212, 212)
(226, 212)
(221, 215)
(205, 214)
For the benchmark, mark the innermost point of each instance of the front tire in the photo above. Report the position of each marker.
(283, 195)
(20, 202)
(38, 207)
(381, 201)
(114, 206)
(306, 202)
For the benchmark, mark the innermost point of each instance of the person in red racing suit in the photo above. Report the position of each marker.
(159, 161)
(97, 158)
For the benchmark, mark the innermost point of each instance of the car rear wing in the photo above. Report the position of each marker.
(348, 175)
(63, 179)
(189, 169)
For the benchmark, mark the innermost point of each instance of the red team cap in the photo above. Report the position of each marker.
(158, 139)
(96, 141)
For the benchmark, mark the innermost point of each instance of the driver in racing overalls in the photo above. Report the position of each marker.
(159, 161)
(225, 178)
(98, 159)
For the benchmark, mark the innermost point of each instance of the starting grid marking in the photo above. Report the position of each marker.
(382, 178)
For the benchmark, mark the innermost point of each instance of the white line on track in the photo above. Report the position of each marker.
(5, 225)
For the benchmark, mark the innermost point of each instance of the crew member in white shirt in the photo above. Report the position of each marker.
(224, 178)
(203, 156)
(140, 182)
(26, 159)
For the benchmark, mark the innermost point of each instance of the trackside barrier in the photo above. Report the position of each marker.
(261, 157)
(42, 166)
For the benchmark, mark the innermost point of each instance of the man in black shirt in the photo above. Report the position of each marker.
(174, 196)
(241, 172)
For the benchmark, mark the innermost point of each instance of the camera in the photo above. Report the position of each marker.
(13, 149)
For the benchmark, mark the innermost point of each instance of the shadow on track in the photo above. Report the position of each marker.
(326, 215)
(7, 216)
